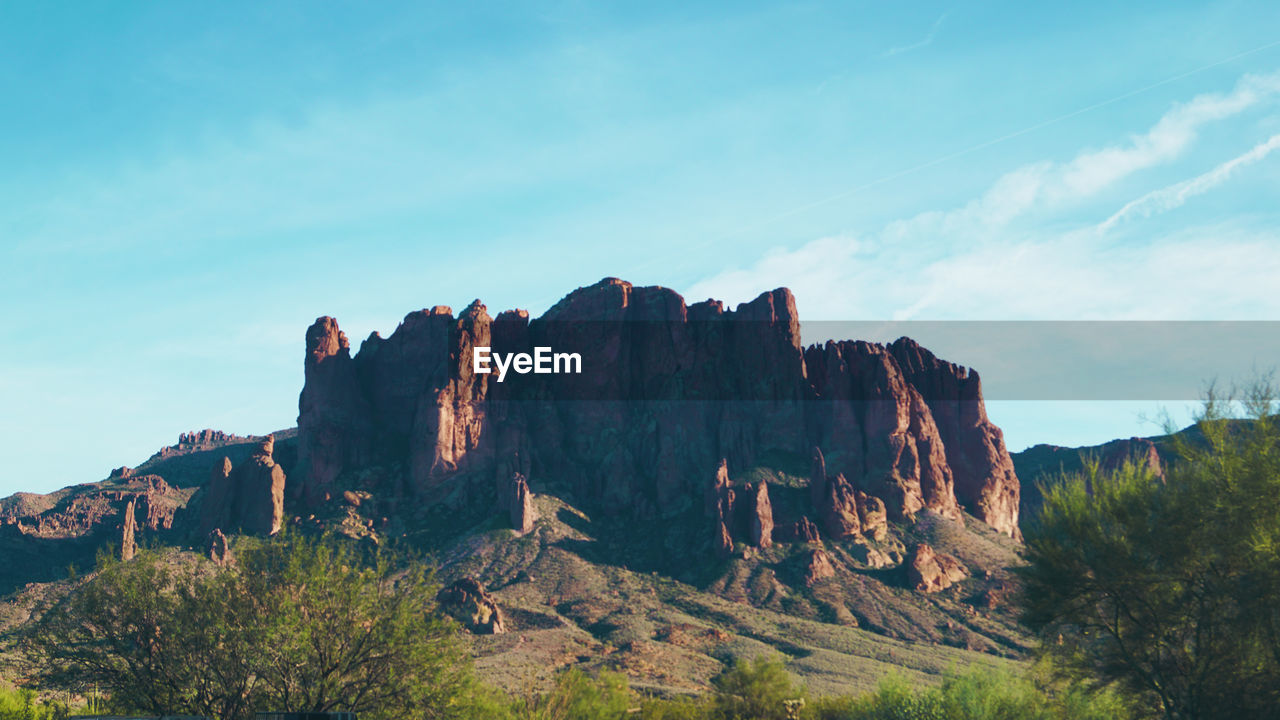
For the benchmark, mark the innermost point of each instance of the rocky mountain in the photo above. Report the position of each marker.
(668, 392)
(705, 487)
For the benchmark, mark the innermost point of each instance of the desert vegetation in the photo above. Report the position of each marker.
(1152, 593)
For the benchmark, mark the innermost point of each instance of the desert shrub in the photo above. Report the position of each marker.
(577, 696)
(757, 690)
(1167, 588)
(975, 695)
(297, 624)
(24, 704)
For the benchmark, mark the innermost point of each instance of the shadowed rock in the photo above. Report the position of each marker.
(248, 498)
(760, 521)
(218, 549)
(665, 390)
(467, 602)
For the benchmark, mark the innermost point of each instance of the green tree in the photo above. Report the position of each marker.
(1168, 588)
(297, 624)
(759, 690)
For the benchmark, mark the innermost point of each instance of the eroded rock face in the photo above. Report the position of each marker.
(840, 509)
(872, 516)
(665, 391)
(248, 498)
(931, 572)
(818, 567)
(88, 509)
(985, 482)
(801, 531)
(467, 602)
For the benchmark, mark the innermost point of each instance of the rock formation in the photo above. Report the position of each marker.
(467, 602)
(985, 481)
(1139, 451)
(839, 509)
(801, 531)
(1046, 464)
(248, 498)
(218, 549)
(665, 391)
(817, 567)
(514, 497)
(931, 572)
(761, 517)
(872, 516)
(128, 543)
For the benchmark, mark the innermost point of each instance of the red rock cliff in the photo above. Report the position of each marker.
(667, 391)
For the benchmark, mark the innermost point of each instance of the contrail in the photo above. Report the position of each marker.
(973, 148)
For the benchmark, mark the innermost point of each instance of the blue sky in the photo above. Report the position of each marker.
(187, 186)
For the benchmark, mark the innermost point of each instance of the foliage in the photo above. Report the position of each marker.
(759, 690)
(23, 704)
(297, 624)
(1169, 590)
(976, 695)
(577, 696)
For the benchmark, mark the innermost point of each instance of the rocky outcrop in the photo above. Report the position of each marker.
(722, 540)
(760, 519)
(1139, 451)
(248, 498)
(839, 509)
(128, 543)
(985, 482)
(665, 390)
(85, 510)
(817, 567)
(872, 516)
(515, 498)
(217, 549)
(467, 602)
(931, 572)
(801, 531)
(196, 441)
(861, 392)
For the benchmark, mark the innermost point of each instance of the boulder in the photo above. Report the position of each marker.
(817, 567)
(218, 549)
(467, 602)
(931, 572)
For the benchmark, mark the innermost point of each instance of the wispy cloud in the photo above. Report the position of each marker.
(927, 40)
(1175, 196)
(1027, 247)
(1166, 140)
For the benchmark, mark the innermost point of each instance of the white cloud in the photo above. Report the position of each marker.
(1175, 196)
(1013, 253)
(1166, 140)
